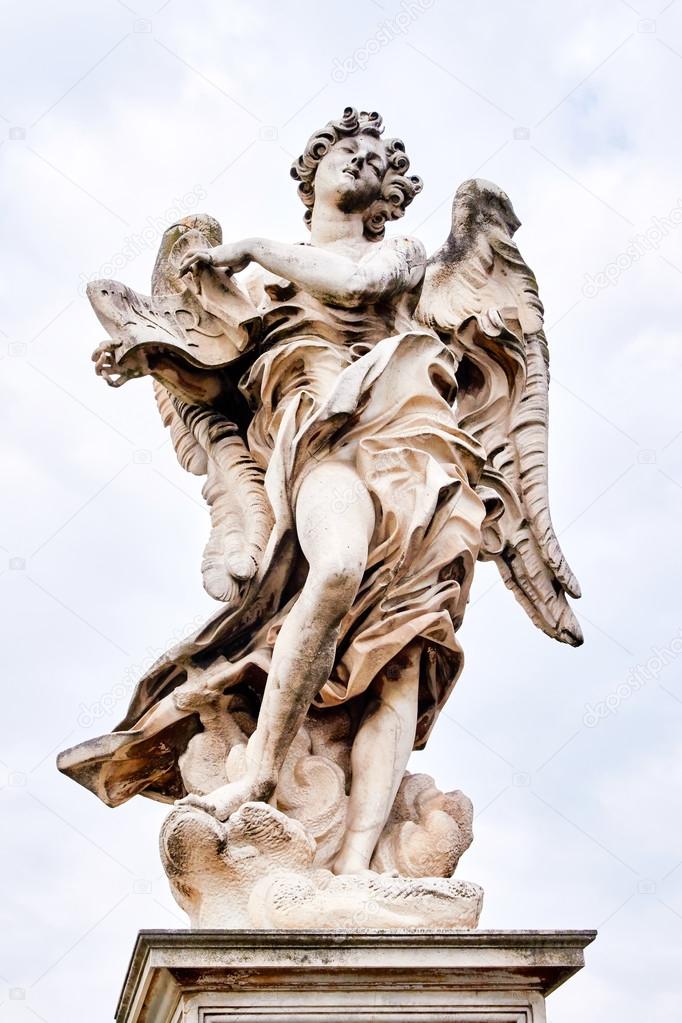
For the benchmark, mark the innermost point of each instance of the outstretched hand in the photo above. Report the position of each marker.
(233, 257)
(194, 260)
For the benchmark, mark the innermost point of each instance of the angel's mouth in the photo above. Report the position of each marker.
(353, 173)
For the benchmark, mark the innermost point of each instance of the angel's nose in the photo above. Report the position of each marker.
(357, 161)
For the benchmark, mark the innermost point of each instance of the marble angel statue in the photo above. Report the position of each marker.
(370, 421)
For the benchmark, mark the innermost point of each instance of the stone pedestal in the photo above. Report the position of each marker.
(343, 977)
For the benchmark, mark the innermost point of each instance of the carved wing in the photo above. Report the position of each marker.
(208, 444)
(204, 321)
(482, 299)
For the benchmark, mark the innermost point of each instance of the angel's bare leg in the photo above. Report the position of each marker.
(334, 521)
(378, 760)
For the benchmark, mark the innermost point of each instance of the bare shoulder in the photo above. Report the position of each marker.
(408, 248)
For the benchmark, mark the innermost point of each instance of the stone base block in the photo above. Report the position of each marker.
(347, 977)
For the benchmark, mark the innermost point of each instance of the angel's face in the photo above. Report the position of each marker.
(351, 174)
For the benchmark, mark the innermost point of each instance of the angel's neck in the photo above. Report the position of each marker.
(331, 226)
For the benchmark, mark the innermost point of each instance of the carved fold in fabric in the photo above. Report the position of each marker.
(391, 412)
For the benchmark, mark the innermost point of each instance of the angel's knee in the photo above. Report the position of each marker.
(333, 582)
(397, 688)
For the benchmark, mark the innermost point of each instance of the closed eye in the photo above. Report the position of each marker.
(375, 164)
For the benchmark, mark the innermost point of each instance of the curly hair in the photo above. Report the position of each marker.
(398, 189)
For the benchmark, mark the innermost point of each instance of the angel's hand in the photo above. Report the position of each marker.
(104, 358)
(234, 256)
(194, 260)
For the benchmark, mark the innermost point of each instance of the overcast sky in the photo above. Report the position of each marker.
(115, 119)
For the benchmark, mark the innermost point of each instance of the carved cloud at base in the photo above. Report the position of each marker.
(258, 870)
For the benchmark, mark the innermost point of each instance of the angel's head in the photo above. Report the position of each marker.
(481, 203)
(349, 165)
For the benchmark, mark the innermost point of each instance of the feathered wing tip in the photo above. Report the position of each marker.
(529, 431)
(241, 517)
(482, 298)
(523, 572)
(208, 444)
(190, 454)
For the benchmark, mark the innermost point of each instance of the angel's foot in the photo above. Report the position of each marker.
(226, 800)
(350, 862)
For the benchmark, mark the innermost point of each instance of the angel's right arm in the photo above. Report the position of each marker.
(395, 266)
